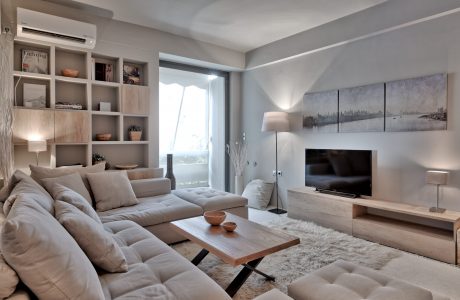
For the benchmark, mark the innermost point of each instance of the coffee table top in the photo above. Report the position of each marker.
(248, 242)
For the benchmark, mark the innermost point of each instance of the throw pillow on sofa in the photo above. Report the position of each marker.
(8, 279)
(111, 190)
(98, 244)
(67, 195)
(45, 256)
(72, 181)
(258, 193)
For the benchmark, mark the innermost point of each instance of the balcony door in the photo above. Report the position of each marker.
(192, 125)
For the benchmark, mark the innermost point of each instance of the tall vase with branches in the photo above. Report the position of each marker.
(238, 156)
(6, 106)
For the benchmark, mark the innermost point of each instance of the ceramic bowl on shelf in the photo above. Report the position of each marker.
(70, 73)
(214, 217)
(103, 136)
(229, 226)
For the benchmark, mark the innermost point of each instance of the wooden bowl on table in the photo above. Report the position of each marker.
(103, 136)
(229, 226)
(70, 73)
(214, 217)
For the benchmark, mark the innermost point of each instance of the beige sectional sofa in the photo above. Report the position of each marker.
(61, 269)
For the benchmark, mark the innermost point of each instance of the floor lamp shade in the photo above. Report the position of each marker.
(275, 121)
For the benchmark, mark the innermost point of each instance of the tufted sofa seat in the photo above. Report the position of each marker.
(155, 271)
(344, 280)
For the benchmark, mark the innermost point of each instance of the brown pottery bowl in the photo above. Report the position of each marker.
(70, 73)
(229, 226)
(214, 217)
(103, 136)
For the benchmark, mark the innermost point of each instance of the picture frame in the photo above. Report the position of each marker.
(132, 74)
(34, 95)
(34, 61)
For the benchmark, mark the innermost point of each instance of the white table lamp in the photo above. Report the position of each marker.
(37, 147)
(438, 178)
(276, 121)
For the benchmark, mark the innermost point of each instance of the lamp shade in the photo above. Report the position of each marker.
(36, 146)
(436, 177)
(275, 121)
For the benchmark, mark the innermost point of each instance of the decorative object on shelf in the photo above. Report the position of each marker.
(67, 105)
(276, 121)
(103, 72)
(99, 158)
(105, 106)
(229, 226)
(135, 132)
(214, 217)
(34, 61)
(131, 74)
(34, 95)
(103, 136)
(70, 73)
(6, 107)
(126, 167)
(36, 147)
(438, 178)
(169, 171)
(238, 156)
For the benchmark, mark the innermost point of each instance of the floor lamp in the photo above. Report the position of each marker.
(277, 122)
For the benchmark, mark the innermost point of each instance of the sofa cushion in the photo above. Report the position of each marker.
(151, 187)
(45, 256)
(29, 187)
(72, 181)
(211, 199)
(97, 243)
(8, 279)
(155, 271)
(112, 190)
(69, 196)
(258, 193)
(153, 210)
(344, 280)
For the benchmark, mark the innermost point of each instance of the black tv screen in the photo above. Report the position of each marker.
(343, 171)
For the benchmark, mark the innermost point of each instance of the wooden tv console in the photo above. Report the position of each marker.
(403, 226)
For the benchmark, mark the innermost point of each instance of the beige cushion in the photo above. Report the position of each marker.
(45, 256)
(38, 173)
(153, 210)
(8, 279)
(72, 181)
(111, 190)
(273, 294)
(92, 238)
(344, 280)
(258, 193)
(155, 270)
(69, 196)
(211, 199)
(14, 179)
(151, 187)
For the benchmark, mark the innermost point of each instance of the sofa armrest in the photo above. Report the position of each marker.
(274, 294)
(151, 187)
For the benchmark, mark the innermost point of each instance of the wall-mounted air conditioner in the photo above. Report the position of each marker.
(48, 28)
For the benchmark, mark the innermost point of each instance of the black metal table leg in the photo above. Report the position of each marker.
(243, 275)
(199, 257)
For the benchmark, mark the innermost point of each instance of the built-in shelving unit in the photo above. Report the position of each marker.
(71, 134)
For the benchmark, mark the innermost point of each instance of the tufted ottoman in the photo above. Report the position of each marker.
(345, 281)
(212, 199)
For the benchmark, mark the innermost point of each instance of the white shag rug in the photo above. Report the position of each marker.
(318, 247)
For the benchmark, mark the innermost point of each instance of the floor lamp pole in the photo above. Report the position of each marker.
(277, 210)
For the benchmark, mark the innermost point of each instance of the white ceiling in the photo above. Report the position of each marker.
(236, 24)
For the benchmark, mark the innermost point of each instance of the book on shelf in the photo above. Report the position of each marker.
(67, 105)
(34, 61)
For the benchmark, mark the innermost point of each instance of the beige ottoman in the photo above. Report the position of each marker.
(345, 281)
(212, 199)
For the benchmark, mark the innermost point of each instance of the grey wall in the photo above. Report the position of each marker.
(426, 47)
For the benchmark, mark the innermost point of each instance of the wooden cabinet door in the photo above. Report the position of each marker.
(33, 124)
(71, 127)
(135, 100)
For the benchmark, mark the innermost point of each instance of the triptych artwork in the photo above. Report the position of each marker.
(417, 104)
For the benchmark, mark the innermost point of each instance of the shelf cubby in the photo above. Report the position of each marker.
(23, 158)
(106, 124)
(70, 59)
(136, 121)
(105, 94)
(19, 89)
(19, 46)
(69, 155)
(123, 154)
(138, 68)
(107, 60)
(71, 92)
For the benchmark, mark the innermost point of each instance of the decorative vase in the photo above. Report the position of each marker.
(135, 135)
(169, 171)
(239, 185)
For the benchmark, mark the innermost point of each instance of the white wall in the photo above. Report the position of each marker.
(425, 48)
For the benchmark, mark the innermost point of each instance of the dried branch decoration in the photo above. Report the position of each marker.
(238, 156)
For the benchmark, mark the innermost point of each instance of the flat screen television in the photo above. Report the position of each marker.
(347, 172)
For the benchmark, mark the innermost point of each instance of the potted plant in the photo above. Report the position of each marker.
(135, 132)
(99, 158)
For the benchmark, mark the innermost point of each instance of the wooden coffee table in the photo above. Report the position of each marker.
(246, 246)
